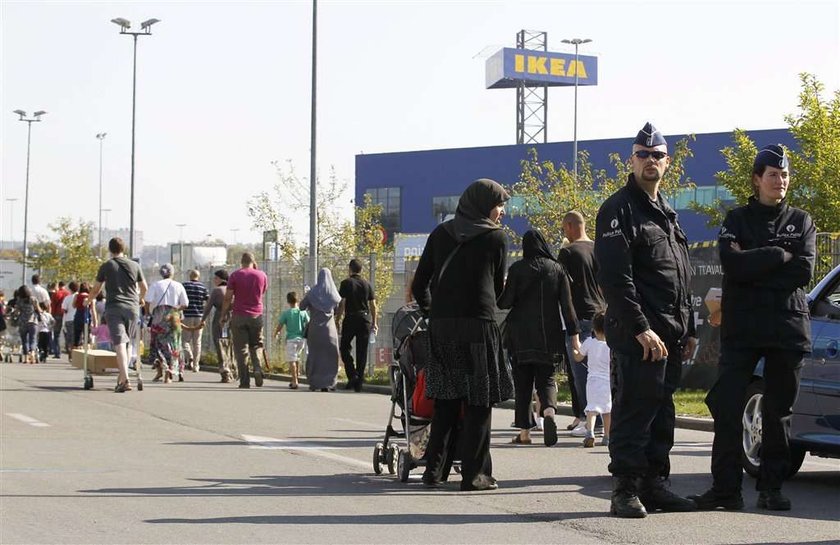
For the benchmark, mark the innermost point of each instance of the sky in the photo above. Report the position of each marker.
(223, 91)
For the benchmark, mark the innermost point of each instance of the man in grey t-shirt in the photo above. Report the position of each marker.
(125, 288)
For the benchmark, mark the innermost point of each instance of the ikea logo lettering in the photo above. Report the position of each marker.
(541, 65)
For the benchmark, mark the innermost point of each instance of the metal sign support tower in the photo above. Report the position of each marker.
(531, 102)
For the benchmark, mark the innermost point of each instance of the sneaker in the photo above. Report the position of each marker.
(258, 380)
(589, 441)
(605, 441)
(540, 423)
(225, 378)
(712, 499)
(579, 431)
(575, 423)
(773, 500)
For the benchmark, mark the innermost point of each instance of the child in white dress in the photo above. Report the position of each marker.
(598, 393)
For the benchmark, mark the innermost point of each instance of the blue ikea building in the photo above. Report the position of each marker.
(418, 189)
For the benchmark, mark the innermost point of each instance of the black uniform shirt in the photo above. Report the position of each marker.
(763, 302)
(356, 292)
(643, 268)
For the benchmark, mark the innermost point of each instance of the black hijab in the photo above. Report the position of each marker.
(534, 246)
(474, 206)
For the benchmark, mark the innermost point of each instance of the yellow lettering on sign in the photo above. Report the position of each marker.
(519, 63)
(577, 68)
(536, 65)
(558, 67)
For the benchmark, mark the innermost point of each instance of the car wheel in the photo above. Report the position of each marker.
(751, 435)
(752, 420)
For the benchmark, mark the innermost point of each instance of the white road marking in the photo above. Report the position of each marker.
(359, 423)
(272, 443)
(28, 420)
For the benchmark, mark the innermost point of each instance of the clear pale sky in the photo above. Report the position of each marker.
(223, 90)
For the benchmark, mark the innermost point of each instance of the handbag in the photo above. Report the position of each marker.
(151, 315)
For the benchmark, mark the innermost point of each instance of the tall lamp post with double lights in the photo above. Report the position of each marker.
(36, 117)
(576, 42)
(101, 137)
(145, 30)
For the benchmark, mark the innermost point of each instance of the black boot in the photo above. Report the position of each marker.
(625, 503)
(773, 500)
(711, 499)
(655, 495)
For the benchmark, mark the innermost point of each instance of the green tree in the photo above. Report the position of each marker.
(546, 190)
(814, 166)
(69, 254)
(339, 239)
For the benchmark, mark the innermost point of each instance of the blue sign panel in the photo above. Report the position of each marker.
(509, 67)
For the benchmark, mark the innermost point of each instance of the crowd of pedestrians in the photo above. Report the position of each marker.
(615, 314)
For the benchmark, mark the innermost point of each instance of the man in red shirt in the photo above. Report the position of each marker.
(56, 298)
(245, 290)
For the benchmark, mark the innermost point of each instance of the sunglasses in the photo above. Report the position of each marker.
(644, 154)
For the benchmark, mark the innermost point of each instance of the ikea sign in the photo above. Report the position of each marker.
(509, 67)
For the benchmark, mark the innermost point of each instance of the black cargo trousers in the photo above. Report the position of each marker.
(726, 403)
(643, 415)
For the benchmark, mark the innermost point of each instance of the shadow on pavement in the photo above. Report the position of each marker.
(386, 519)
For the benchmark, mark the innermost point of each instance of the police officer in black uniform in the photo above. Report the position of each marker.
(767, 250)
(644, 273)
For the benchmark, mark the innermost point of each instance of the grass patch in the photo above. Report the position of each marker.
(686, 402)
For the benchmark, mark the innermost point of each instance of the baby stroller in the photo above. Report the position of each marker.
(410, 329)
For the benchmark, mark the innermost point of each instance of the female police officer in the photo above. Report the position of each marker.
(767, 251)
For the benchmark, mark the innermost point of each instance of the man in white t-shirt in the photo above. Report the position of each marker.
(69, 308)
(39, 292)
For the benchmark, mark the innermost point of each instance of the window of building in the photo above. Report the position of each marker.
(444, 207)
(389, 199)
(705, 195)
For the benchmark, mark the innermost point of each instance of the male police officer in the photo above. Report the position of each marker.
(767, 250)
(644, 274)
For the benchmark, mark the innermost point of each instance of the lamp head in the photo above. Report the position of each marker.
(146, 25)
(124, 24)
(39, 113)
(101, 135)
(21, 113)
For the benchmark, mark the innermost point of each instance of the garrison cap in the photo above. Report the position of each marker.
(650, 137)
(771, 156)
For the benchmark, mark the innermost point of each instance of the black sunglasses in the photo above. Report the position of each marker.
(644, 154)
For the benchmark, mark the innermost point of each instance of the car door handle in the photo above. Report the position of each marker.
(832, 349)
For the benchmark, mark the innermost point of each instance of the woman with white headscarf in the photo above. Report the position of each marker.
(322, 334)
(165, 300)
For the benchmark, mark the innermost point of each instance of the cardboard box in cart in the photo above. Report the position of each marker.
(99, 361)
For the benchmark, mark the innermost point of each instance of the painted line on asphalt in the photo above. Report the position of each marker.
(271, 443)
(28, 420)
(359, 423)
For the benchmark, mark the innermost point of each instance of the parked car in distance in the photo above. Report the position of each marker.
(815, 424)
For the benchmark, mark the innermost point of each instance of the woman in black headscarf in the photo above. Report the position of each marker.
(538, 294)
(458, 279)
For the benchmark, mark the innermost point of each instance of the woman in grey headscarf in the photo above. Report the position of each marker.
(459, 277)
(164, 301)
(322, 334)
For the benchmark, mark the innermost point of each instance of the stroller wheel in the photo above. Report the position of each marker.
(378, 452)
(404, 463)
(391, 458)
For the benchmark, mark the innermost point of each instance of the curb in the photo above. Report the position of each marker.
(683, 422)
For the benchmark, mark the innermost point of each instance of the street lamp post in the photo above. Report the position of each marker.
(576, 42)
(101, 137)
(36, 117)
(313, 179)
(11, 202)
(145, 30)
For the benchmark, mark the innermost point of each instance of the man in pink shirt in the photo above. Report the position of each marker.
(245, 290)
